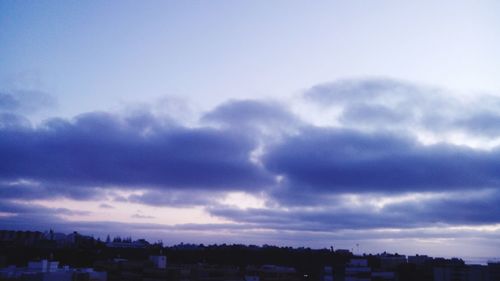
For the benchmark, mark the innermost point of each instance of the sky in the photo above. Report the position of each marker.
(332, 123)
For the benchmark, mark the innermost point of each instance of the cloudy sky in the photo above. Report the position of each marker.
(282, 122)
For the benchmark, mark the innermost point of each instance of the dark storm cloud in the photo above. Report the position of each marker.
(339, 160)
(99, 149)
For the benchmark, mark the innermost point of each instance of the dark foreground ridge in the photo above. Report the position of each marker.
(33, 255)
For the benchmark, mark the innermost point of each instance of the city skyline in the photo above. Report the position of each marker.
(279, 123)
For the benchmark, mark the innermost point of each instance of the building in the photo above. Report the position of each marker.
(419, 260)
(388, 261)
(494, 271)
(384, 276)
(327, 273)
(45, 270)
(357, 270)
(159, 261)
(476, 272)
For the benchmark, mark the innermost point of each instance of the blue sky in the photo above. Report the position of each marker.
(335, 122)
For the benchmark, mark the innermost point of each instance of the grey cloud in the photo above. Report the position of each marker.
(26, 101)
(100, 149)
(282, 229)
(13, 121)
(105, 206)
(453, 211)
(365, 114)
(184, 166)
(376, 104)
(252, 113)
(335, 160)
(480, 124)
(322, 219)
(424, 213)
(31, 209)
(8, 102)
(175, 198)
(39, 190)
(371, 90)
(141, 216)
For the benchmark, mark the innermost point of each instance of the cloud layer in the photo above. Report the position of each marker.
(100, 150)
(349, 161)
(387, 155)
